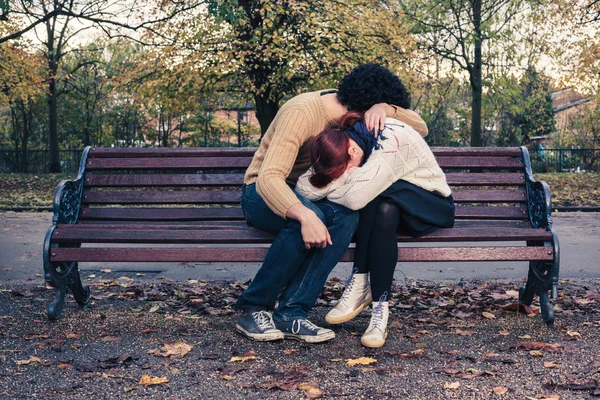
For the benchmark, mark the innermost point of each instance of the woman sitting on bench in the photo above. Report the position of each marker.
(394, 179)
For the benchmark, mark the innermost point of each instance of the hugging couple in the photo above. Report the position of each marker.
(333, 165)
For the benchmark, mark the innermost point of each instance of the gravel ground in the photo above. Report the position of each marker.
(431, 352)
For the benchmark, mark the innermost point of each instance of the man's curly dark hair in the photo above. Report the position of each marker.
(369, 84)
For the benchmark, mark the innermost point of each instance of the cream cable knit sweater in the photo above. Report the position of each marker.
(403, 155)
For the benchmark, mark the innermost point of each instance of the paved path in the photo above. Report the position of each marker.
(22, 235)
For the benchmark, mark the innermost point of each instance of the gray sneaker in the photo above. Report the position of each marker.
(258, 325)
(303, 329)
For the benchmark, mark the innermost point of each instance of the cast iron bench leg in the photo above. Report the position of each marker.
(539, 281)
(64, 277)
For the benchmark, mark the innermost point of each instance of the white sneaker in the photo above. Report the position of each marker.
(355, 298)
(376, 333)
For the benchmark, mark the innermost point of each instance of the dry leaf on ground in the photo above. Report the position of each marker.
(488, 315)
(464, 333)
(148, 380)
(30, 360)
(310, 390)
(500, 390)
(452, 385)
(361, 361)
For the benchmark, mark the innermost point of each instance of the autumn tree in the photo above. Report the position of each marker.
(273, 49)
(57, 23)
(464, 33)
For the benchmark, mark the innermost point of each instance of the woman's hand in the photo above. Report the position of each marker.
(376, 115)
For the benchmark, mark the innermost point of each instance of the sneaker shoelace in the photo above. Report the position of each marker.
(297, 324)
(263, 320)
(348, 284)
(378, 311)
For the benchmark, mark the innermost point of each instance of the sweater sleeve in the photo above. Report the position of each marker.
(313, 193)
(288, 132)
(411, 118)
(364, 184)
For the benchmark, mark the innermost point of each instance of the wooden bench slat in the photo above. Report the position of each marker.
(479, 162)
(489, 196)
(153, 197)
(233, 197)
(235, 213)
(162, 214)
(171, 163)
(90, 234)
(159, 180)
(108, 152)
(174, 163)
(478, 151)
(104, 152)
(241, 254)
(485, 179)
(194, 225)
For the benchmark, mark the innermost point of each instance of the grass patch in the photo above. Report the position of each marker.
(573, 189)
(29, 190)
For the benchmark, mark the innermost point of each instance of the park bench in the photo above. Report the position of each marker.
(133, 205)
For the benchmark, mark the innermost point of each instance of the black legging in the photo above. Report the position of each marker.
(376, 245)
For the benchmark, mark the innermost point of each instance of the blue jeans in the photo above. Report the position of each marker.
(290, 272)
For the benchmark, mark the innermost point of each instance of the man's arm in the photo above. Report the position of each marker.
(277, 164)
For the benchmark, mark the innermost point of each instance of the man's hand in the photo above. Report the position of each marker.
(314, 231)
(376, 115)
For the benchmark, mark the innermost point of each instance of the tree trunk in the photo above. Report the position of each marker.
(475, 78)
(265, 112)
(52, 116)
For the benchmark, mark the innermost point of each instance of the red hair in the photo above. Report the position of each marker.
(329, 151)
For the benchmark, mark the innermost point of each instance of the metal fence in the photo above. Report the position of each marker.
(564, 160)
(542, 160)
(37, 161)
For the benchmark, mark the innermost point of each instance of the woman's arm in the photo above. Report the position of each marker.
(313, 193)
(364, 184)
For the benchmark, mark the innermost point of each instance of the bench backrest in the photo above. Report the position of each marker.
(165, 185)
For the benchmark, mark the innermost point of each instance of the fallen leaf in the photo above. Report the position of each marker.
(573, 333)
(289, 351)
(311, 391)
(488, 315)
(227, 377)
(524, 337)
(500, 390)
(504, 333)
(154, 308)
(147, 380)
(242, 359)
(452, 385)
(550, 364)
(107, 339)
(178, 349)
(464, 333)
(491, 355)
(127, 389)
(536, 353)
(65, 366)
(361, 361)
(336, 359)
(73, 335)
(548, 397)
(30, 360)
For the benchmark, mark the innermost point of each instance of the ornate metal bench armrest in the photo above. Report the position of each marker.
(539, 200)
(67, 196)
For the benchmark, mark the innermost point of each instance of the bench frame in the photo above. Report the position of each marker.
(64, 276)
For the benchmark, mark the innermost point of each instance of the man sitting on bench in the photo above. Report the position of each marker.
(311, 236)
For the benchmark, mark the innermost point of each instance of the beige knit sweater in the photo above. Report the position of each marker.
(402, 155)
(284, 152)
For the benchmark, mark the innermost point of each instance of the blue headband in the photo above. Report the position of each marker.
(366, 140)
